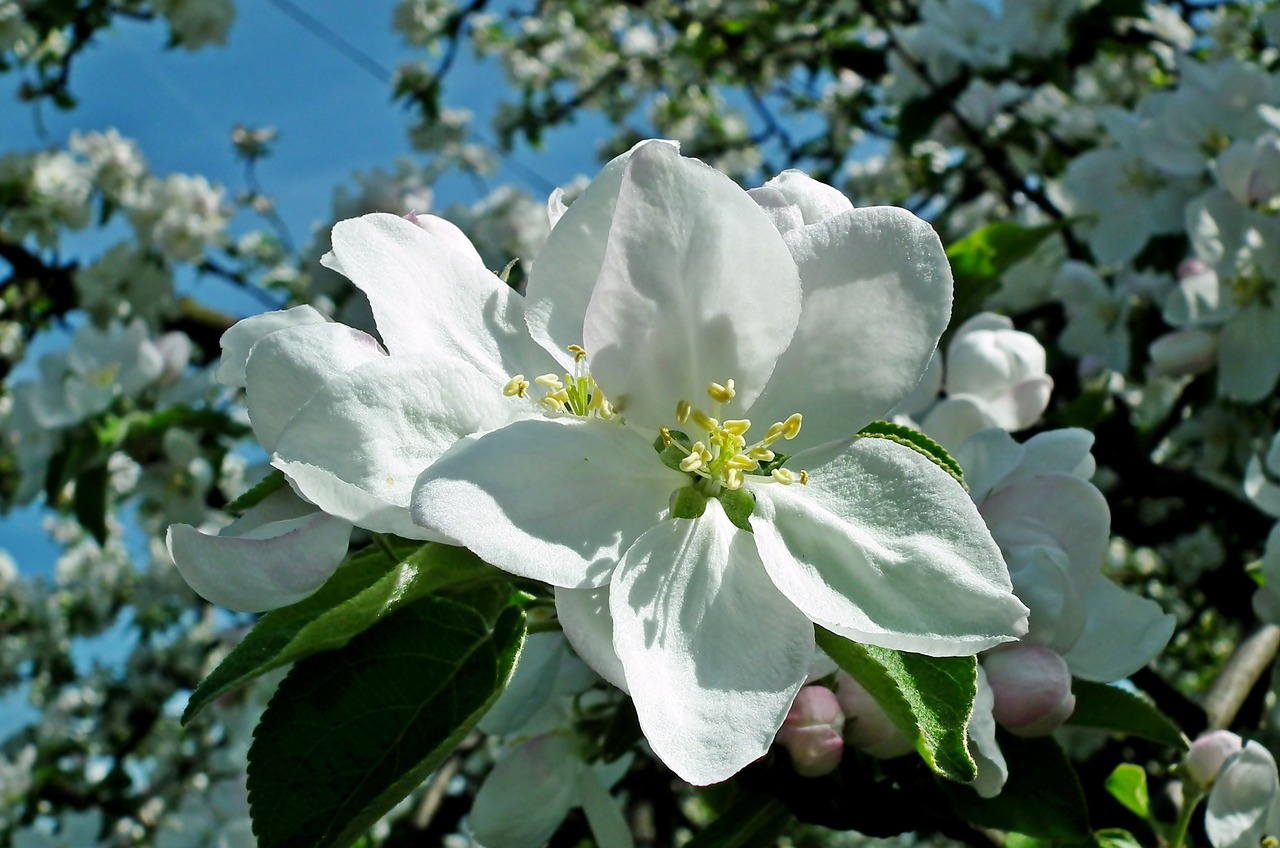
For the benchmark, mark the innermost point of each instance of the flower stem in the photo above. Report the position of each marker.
(1191, 796)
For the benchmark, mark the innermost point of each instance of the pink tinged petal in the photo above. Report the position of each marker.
(562, 278)
(876, 289)
(588, 625)
(1032, 688)
(876, 541)
(1122, 634)
(1208, 754)
(277, 554)
(993, 771)
(1044, 580)
(430, 295)
(240, 339)
(696, 287)
(1056, 511)
(811, 732)
(527, 795)
(714, 654)
(1248, 356)
(867, 726)
(287, 367)
(553, 500)
(1243, 806)
(357, 447)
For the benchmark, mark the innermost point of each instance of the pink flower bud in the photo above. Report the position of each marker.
(1032, 688)
(1207, 755)
(1184, 352)
(868, 727)
(811, 732)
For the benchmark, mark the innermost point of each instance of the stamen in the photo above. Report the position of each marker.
(721, 393)
(742, 462)
(804, 478)
(705, 421)
(783, 476)
(578, 351)
(516, 386)
(792, 426)
(552, 403)
(665, 435)
(760, 454)
(692, 462)
(737, 426)
(683, 408)
(733, 479)
(549, 381)
(774, 433)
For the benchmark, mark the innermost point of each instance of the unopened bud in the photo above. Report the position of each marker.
(1032, 689)
(867, 726)
(811, 732)
(1207, 756)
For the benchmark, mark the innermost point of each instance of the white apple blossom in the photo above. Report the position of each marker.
(1249, 170)
(1244, 803)
(1262, 479)
(1097, 316)
(677, 283)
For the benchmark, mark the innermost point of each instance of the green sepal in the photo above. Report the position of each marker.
(1128, 785)
(348, 735)
(670, 454)
(1113, 709)
(257, 493)
(688, 502)
(365, 589)
(918, 442)
(929, 699)
(738, 505)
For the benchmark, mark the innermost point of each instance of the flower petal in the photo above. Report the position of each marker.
(378, 426)
(696, 286)
(588, 625)
(240, 339)
(714, 654)
(557, 500)
(993, 770)
(816, 201)
(1122, 633)
(287, 367)
(1055, 510)
(604, 815)
(1243, 801)
(876, 291)
(562, 278)
(430, 296)
(275, 562)
(884, 547)
(527, 795)
(1248, 356)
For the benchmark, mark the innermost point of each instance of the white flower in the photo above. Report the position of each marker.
(677, 283)
(1097, 316)
(1244, 803)
(1262, 479)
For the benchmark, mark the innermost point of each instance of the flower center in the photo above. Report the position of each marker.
(722, 458)
(574, 394)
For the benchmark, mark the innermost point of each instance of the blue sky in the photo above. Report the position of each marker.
(334, 118)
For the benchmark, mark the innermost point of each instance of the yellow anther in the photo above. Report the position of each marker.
(665, 435)
(552, 403)
(683, 408)
(692, 462)
(791, 427)
(516, 386)
(804, 478)
(705, 421)
(733, 479)
(774, 433)
(783, 476)
(760, 454)
(578, 351)
(742, 462)
(549, 381)
(737, 426)
(721, 393)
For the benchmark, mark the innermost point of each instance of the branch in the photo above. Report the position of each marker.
(1242, 672)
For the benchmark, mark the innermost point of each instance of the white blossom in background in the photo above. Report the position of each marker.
(1262, 479)
(125, 283)
(180, 215)
(55, 192)
(1097, 318)
(115, 163)
(1249, 170)
(197, 23)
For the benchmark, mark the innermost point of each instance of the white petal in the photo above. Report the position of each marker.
(604, 814)
(956, 419)
(1043, 580)
(287, 367)
(785, 215)
(429, 296)
(1055, 510)
(1248, 356)
(884, 547)
(1065, 450)
(553, 500)
(527, 795)
(357, 447)
(277, 563)
(993, 771)
(566, 270)
(987, 457)
(240, 339)
(531, 685)
(1243, 799)
(714, 654)
(1122, 633)
(876, 290)
(816, 201)
(588, 625)
(696, 286)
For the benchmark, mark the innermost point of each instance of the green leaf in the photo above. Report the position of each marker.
(738, 505)
(361, 592)
(980, 258)
(1114, 837)
(929, 699)
(350, 734)
(918, 442)
(1119, 711)
(258, 492)
(751, 821)
(90, 501)
(1128, 785)
(1042, 797)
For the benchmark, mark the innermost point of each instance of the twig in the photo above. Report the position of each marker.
(1250, 661)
